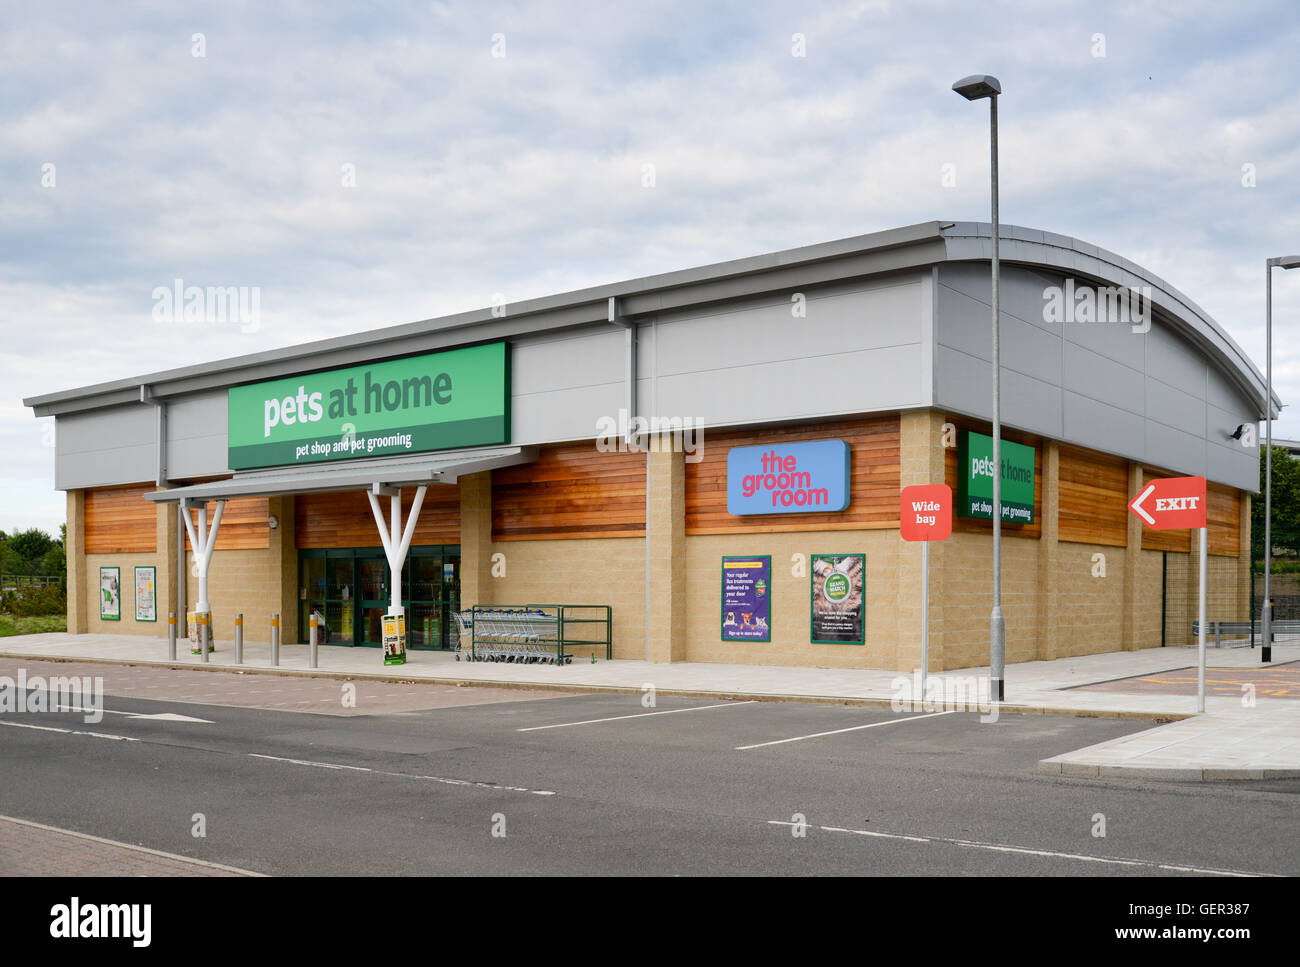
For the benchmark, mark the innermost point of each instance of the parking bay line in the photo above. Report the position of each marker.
(493, 786)
(639, 715)
(854, 728)
(1004, 848)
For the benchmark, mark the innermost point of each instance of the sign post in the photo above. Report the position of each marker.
(1178, 503)
(925, 515)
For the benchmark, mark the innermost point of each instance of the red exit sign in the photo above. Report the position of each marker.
(1175, 503)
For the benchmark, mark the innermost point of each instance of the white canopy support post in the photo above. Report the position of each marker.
(203, 542)
(395, 538)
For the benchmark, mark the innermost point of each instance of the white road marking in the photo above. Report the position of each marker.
(404, 775)
(50, 728)
(855, 728)
(639, 715)
(309, 762)
(131, 846)
(157, 717)
(1004, 848)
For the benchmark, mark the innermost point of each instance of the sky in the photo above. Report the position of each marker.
(361, 165)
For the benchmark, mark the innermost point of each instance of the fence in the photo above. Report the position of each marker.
(12, 582)
(1226, 599)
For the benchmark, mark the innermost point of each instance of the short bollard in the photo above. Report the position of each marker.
(239, 639)
(171, 635)
(204, 618)
(311, 641)
(275, 639)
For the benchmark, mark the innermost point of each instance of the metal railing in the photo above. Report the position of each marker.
(532, 633)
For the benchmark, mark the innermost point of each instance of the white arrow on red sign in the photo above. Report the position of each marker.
(1171, 503)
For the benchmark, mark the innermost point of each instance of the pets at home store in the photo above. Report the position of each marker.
(362, 430)
(476, 453)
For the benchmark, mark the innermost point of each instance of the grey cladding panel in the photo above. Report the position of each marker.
(1103, 379)
(1092, 423)
(1234, 465)
(1173, 407)
(590, 357)
(879, 379)
(1028, 349)
(1174, 362)
(196, 435)
(104, 447)
(836, 322)
(1171, 449)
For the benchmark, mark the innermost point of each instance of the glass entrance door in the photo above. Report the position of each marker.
(326, 590)
(372, 579)
(349, 588)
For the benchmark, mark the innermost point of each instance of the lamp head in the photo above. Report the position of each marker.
(1285, 261)
(977, 86)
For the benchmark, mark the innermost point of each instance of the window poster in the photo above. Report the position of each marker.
(747, 598)
(839, 609)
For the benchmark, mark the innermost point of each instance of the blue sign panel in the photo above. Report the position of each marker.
(788, 478)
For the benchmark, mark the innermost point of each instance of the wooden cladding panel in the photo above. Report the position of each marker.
(1093, 498)
(344, 518)
(244, 524)
(1223, 505)
(874, 471)
(951, 472)
(118, 520)
(571, 491)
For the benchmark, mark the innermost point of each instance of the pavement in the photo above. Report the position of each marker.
(34, 849)
(1253, 733)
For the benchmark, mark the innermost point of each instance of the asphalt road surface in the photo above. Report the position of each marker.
(600, 784)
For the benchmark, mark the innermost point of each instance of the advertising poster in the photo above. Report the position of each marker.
(839, 610)
(395, 639)
(110, 594)
(146, 594)
(747, 598)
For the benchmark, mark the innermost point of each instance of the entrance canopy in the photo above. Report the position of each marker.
(377, 476)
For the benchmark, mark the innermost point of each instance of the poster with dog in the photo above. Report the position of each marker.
(747, 598)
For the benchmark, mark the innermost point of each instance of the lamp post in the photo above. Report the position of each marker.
(1286, 262)
(974, 88)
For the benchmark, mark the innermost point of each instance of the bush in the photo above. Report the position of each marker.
(32, 600)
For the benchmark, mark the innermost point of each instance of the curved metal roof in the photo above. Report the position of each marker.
(909, 247)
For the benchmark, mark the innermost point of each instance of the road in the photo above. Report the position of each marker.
(598, 784)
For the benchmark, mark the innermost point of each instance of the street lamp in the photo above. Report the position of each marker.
(1286, 262)
(973, 88)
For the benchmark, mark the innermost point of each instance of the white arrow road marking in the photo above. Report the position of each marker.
(1003, 848)
(1137, 505)
(157, 717)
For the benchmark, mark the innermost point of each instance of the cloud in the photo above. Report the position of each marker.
(523, 174)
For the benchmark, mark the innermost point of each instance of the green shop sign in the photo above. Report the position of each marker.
(975, 483)
(459, 398)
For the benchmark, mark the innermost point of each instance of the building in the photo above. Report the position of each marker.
(516, 421)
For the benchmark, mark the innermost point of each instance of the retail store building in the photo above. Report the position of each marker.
(777, 405)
